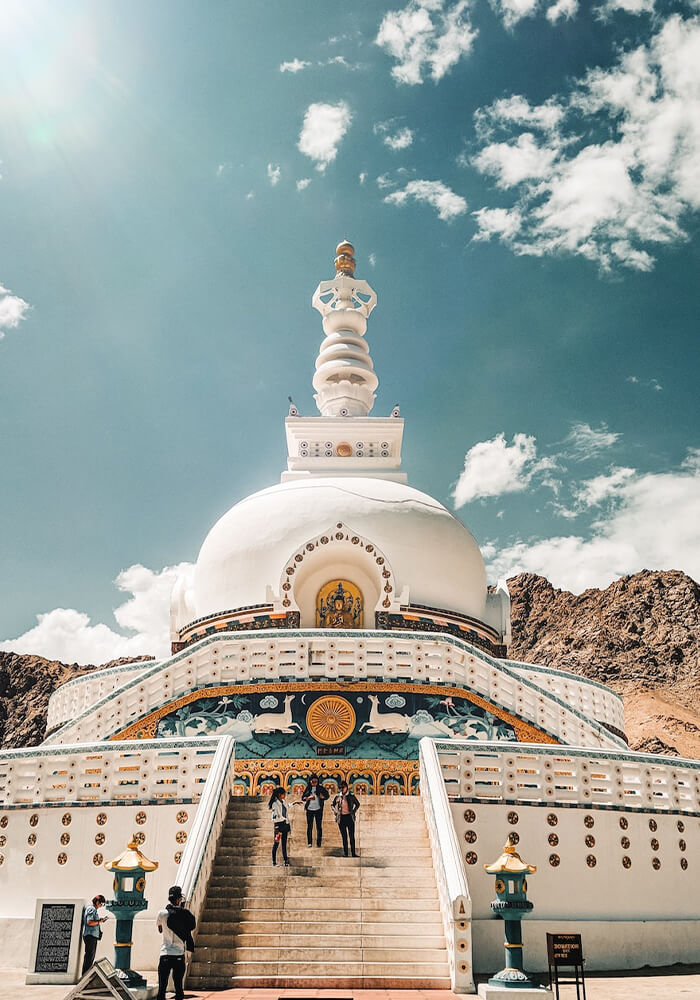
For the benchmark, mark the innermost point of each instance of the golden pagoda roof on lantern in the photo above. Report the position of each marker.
(131, 859)
(510, 862)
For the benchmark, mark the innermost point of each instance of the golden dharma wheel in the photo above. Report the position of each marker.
(331, 719)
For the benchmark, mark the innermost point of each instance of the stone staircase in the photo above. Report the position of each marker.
(372, 921)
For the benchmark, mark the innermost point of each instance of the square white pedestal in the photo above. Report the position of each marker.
(502, 993)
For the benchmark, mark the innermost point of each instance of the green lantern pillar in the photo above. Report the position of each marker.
(511, 904)
(130, 870)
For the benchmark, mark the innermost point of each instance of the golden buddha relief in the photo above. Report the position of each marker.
(339, 605)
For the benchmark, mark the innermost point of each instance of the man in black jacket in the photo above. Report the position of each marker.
(176, 924)
(313, 798)
(344, 806)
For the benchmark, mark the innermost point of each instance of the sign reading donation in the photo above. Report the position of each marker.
(564, 949)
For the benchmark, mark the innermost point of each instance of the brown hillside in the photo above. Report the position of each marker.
(26, 684)
(640, 636)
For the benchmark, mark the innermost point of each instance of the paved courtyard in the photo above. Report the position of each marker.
(675, 983)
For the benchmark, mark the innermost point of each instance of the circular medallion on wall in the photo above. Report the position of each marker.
(469, 816)
(626, 862)
(654, 844)
(552, 819)
(33, 819)
(3, 822)
(2, 859)
(624, 843)
(99, 838)
(182, 816)
(97, 859)
(470, 836)
(554, 860)
(513, 818)
(590, 840)
(681, 845)
(3, 840)
(65, 819)
(514, 837)
(624, 824)
(684, 864)
(62, 858)
(471, 857)
(31, 839)
(177, 857)
(553, 840)
(65, 839)
(331, 719)
(591, 861)
(652, 825)
(29, 859)
(344, 449)
(588, 822)
(181, 836)
(681, 826)
(140, 837)
(141, 818)
(656, 864)
(101, 819)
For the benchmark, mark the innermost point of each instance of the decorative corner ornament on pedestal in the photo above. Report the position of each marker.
(511, 905)
(130, 870)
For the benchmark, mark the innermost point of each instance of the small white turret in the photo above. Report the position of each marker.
(345, 382)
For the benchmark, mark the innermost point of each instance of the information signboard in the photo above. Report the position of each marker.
(566, 951)
(56, 941)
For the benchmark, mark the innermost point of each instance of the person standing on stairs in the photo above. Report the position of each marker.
(344, 806)
(176, 924)
(313, 798)
(281, 823)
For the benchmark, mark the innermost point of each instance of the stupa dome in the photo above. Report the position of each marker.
(373, 528)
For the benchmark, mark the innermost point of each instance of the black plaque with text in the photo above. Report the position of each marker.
(564, 949)
(53, 944)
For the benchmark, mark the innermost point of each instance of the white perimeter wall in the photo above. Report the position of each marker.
(21, 884)
(629, 917)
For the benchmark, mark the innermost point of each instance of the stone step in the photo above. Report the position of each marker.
(330, 970)
(299, 952)
(334, 885)
(307, 937)
(380, 921)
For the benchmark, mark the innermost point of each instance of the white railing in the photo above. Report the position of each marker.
(198, 857)
(160, 771)
(532, 773)
(455, 902)
(319, 654)
(590, 697)
(76, 696)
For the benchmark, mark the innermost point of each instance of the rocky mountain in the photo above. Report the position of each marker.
(26, 684)
(640, 636)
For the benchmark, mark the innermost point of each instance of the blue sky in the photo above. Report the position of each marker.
(520, 180)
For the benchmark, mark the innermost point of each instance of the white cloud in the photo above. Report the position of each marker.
(372, 259)
(250, 196)
(629, 6)
(362, 177)
(222, 168)
(592, 492)
(647, 383)
(274, 172)
(512, 11)
(587, 441)
(68, 635)
(322, 131)
(303, 183)
(426, 36)
(294, 66)
(566, 9)
(501, 222)
(392, 137)
(653, 525)
(611, 200)
(384, 181)
(492, 468)
(434, 193)
(13, 310)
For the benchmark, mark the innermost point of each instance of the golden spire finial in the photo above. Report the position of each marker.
(345, 259)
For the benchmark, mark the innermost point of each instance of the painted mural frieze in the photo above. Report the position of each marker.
(365, 724)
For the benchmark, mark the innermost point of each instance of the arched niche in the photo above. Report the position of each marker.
(338, 554)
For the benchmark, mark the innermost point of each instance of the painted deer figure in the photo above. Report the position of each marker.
(387, 722)
(270, 722)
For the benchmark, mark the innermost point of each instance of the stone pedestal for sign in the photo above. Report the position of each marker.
(54, 957)
(489, 992)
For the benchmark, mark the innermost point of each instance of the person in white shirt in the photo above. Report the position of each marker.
(280, 819)
(176, 924)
